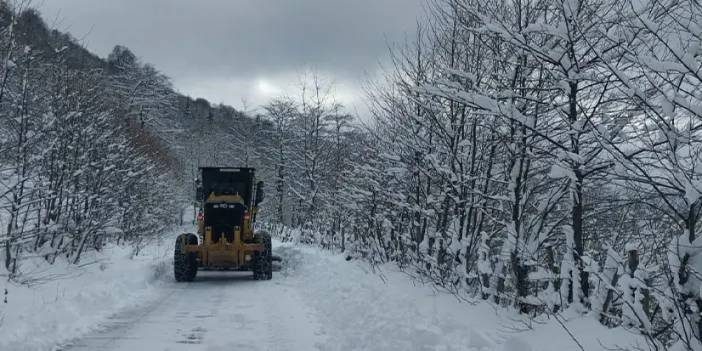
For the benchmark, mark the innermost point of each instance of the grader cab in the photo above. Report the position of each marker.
(228, 202)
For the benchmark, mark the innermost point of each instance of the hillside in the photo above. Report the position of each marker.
(170, 123)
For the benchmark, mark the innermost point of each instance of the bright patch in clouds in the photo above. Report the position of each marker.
(233, 91)
(267, 88)
(251, 93)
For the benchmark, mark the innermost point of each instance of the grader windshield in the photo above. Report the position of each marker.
(227, 181)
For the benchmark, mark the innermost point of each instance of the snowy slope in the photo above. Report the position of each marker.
(317, 301)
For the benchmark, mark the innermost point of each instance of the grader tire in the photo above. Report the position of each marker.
(184, 263)
(263, 266)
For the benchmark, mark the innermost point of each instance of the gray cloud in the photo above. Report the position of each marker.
(226, 50)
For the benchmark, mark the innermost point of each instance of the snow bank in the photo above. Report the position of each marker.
(362, 310)
(67, 301)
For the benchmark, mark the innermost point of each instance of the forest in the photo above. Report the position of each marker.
(542, 155)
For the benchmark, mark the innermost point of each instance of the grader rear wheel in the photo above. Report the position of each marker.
(263, 261)
(184, 263)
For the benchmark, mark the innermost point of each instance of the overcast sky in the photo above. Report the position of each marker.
(229, 50)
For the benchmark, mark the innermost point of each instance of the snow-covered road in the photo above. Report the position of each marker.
(218, 311)
(320, 301)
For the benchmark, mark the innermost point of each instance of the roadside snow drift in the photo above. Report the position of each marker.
(361, 311)
(67, 301)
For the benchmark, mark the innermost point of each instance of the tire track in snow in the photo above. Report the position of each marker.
(116, 326)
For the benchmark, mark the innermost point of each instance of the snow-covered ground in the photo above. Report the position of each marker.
(317, 301)
(66, 301)
(361, 311)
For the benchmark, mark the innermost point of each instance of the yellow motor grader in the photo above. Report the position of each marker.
(228, 202)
